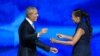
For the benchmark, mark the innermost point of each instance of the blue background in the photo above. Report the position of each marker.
(54, 15)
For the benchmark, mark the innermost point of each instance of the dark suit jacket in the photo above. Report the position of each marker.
(28, 40)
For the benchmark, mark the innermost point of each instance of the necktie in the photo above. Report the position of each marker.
(33, 26)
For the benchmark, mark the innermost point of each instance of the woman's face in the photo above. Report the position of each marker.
(75, 19)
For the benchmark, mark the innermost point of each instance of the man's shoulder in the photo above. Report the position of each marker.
(24, 23)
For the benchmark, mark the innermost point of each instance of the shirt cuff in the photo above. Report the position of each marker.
(38, 35)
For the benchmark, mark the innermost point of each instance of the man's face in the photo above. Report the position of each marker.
(33, 14)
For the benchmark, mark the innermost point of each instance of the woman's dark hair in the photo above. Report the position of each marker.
(83, 17)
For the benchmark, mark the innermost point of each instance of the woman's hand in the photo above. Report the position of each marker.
(60, 35)
(53, 40)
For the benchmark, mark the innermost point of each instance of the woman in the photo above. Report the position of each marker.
(82, 36)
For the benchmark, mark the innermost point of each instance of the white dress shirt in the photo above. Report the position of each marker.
(31, 23)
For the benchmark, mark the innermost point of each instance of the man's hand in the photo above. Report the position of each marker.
(54, 50)
(43, 31)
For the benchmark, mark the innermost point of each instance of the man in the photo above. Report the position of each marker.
(28, 36)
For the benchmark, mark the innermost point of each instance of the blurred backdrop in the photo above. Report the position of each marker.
(54, 15)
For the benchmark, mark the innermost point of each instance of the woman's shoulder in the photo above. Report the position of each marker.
(83, 26)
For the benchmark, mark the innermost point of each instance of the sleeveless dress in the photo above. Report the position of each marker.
(82, 47)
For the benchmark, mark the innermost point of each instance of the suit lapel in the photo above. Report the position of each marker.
(32, 28)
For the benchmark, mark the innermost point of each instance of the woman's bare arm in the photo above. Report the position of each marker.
(74, 39)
